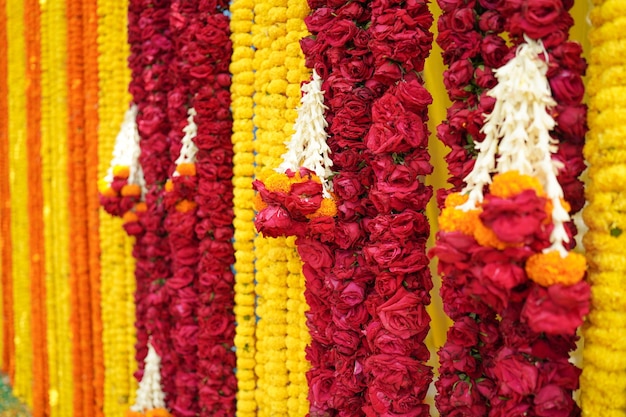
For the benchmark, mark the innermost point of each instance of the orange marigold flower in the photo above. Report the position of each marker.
(188, 169)
(169, 186)
(141, 207)
(130, 413)
(158, 412)
(131, 190)
(121, 171)
(258, 202)
(456, 199)
(452, 219)
(551, 268)
(185, 206)
(328, 208)
(487, 237)
(511, 183)
(130, 216)
(277, 183)
(107, 191)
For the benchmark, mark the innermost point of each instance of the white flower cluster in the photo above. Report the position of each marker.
(189, 150)
(307, 147)
(126, 151)
(517, 134)
(150, 393)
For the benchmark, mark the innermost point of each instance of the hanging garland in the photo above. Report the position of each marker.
(603, 380)
(356, 283)
(506, 251)
(242, 90)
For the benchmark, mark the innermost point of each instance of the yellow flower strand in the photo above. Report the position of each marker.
(22, 385)
(242, 89)
(55, 193)
(118, 264)
(603, 381)
(279, 69)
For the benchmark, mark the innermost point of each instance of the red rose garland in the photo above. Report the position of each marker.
(200, 219)
(366, 272)
(487, 262)
(151, 49)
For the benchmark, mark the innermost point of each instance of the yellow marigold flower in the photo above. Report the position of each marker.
(487, 237)
(512, 183)
(550, 268)
(278, 182)
(188, 169)
(121, 171)
(158, 412)
(328, 208)
(131, 190)
(185, 206)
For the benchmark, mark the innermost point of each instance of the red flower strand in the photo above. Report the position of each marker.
(366, 271)
(518, 364)
(151, 50)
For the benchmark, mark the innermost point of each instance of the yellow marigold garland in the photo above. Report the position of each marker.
(242, 89)
(279, 69)
(117, 271)
(55, 191)
(603, 381)
(18, 162)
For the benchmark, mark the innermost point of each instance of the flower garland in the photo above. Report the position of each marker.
(8, 329)
(17, 129)
(279, 72)
(493, 269)
(35, 207)
(356, 293)
(242, 89)
(150, 400)
(80, 293)
(151, 52)
(54, 126)
(604, 374)
(117, 279)
(92, 124)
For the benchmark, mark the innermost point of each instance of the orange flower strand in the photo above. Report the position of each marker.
(512, 183)
(141, 207)
(130, 413)
(169, 186)
(158, 412)
(550, 268)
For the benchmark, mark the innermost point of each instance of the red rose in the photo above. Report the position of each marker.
(412, 95)
(320, 390)
(387, 283)
(491, 21)
(558, 309)
(462, 19)
(554, 401)
(404, 314)
(315, 254)
(464, 332)
(458, 76)
(339, 32)
(504, 275)
(539, 17)
(347, 234)
(323, 228)
(567, 87)
(320, 19)
(571, 122)
(304, 198)
(493, 50)
(351, 295)
(273, 221)
(516, 376)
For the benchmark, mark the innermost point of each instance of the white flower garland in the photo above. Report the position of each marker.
(307, 147)
(518, 129)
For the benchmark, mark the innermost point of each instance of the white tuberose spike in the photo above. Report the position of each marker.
(189, 149)
(307, 147)
(521, 123)
(150, 394)
(126, 150)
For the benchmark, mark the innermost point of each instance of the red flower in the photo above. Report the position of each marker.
(404, 314)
